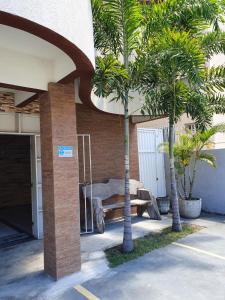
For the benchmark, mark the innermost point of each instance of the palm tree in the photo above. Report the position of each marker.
(117, 30)
(181, 84)
(173, 62)
(172, 70)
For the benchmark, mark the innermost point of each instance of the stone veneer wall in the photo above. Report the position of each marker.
(7, 105)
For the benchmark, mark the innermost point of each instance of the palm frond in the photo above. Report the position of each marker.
(213, 43)
(208, 158)
(117, 25)
(132, 20)
(172, 60)
(202, 139)
(110, 77)
(217, 101)
(190, 16)
(214, 80)
(106, 31)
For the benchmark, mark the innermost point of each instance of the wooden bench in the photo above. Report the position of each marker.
(103, 195)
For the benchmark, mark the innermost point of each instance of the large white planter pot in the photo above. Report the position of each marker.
(163, 205)
(190, 209)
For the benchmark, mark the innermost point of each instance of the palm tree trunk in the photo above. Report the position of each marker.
(176, 226)
(128, 245)
(185, 184)
(192, 180)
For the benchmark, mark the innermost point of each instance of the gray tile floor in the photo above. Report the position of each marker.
(6, 230)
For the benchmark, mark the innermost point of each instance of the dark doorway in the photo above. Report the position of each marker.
(15, 184)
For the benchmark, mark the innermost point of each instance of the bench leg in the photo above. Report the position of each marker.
(100, 224)
(99, 215)
(140, 210)
(153, 211)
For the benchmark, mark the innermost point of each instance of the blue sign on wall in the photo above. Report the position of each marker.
(65, 151)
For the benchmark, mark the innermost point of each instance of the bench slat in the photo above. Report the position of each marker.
(113, 206)
(139, 202)
(134, 202)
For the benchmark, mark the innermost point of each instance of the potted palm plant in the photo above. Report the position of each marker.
(190, 149)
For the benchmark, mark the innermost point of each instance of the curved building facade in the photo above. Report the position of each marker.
(45, 46)
(47, 107)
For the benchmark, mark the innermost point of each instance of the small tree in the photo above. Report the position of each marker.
(117, 32)
(188, 151)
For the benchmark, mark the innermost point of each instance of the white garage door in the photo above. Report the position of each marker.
(151, 161)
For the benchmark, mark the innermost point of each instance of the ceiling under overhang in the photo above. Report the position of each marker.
(28, 63)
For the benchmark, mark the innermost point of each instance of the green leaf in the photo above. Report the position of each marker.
(110, 77)
(208, 158)
(117, 25)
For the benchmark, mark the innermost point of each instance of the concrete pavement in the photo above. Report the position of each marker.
(21, 266)
(192, 269)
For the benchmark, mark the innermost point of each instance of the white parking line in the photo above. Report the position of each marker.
(199, 250)
(85, 293)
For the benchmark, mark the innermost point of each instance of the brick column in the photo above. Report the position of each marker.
(60, 182)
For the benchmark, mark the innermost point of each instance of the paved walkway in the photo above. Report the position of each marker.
(92, 244)
(193, 268)
(21, 266)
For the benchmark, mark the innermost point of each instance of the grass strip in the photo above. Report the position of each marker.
(148, 243)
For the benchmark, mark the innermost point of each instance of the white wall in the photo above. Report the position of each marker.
(164, 122)
(19, 123)
(219, 138)
(107, 105)
(25, 70)
(210, 184)
(71, 19)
